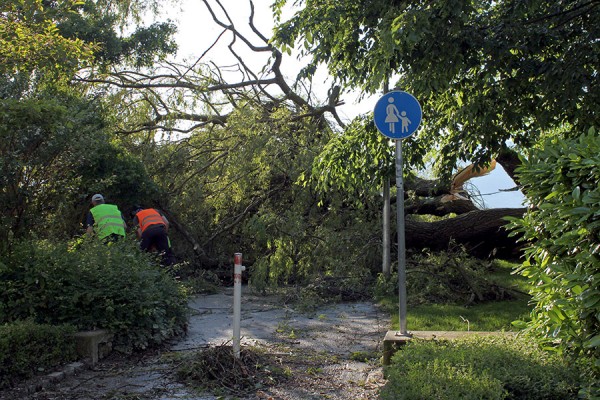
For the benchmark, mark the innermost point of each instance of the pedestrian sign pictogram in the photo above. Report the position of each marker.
(397, 114)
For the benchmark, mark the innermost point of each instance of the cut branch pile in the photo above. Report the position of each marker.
(216, 369)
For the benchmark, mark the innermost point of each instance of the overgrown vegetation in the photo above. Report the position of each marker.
(26, 348)
(93, 286)
(453, 277)
(480, 368)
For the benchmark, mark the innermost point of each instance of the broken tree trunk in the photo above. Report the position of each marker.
(480, 231)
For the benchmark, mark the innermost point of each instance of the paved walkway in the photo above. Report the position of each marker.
(338, 330)
(334, 333)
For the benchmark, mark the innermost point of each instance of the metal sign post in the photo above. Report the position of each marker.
(401, 239)
(397, 115)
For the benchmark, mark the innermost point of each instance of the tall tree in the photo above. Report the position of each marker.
(30, 40)
(491, 76)
(56, 144)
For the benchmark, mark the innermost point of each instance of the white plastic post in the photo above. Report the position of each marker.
(237, 302)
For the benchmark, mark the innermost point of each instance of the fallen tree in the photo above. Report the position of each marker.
(482, 232)
(271, 92)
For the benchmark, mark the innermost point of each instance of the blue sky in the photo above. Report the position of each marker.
(491, 184)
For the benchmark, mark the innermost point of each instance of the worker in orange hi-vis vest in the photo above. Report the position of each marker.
(152, 228)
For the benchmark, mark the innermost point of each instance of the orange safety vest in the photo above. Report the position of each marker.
(149, 217)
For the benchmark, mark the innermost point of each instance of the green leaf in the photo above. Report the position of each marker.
(593, 342)
(591, 300)
(579, 210)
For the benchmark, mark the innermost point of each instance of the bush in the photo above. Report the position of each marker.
(480, 368)
(562, 227)
(25, 347)
(92, 286)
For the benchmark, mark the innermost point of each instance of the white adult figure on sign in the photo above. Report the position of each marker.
(405, 121)
(392, 114)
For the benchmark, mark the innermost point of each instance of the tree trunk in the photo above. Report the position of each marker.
(437, 206)
(480, 231)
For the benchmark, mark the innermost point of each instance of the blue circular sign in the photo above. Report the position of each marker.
(397, 114)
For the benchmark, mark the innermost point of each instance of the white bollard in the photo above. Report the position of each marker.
(237, 302)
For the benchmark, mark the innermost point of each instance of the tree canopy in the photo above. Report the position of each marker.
(488, 74)
(30, 39)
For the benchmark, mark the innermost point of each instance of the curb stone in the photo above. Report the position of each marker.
(40, 383)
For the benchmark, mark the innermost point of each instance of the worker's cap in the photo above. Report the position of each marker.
(97, 197)
(135, 210)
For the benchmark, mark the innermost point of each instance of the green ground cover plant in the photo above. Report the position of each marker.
(93, 286)
(27, 347)
(480, 368)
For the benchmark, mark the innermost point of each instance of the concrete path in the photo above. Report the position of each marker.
(337, 330)
(340, 328)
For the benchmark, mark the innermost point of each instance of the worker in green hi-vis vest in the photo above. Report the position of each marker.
(105, 220)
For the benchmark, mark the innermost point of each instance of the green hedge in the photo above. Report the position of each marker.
(560, 180)
(25, 347)
(479, 368)
(93, 286)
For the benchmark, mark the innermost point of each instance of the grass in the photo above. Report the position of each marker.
(502, 273)
(493, 316)
(490, 316)
(496, 316)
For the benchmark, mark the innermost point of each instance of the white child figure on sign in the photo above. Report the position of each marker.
(405, 121)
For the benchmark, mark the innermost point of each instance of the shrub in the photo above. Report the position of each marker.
(480, 368)
(25, 347)
(114, 287)
(445, 277)
(562, 227)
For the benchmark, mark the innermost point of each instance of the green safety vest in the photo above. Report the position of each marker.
(107, 220)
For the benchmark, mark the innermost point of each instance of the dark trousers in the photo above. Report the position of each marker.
(112, 238)
(156, 237)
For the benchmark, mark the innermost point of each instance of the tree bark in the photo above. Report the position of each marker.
(480, 231)
(509, 159)
(436, 206)
(426, 187)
